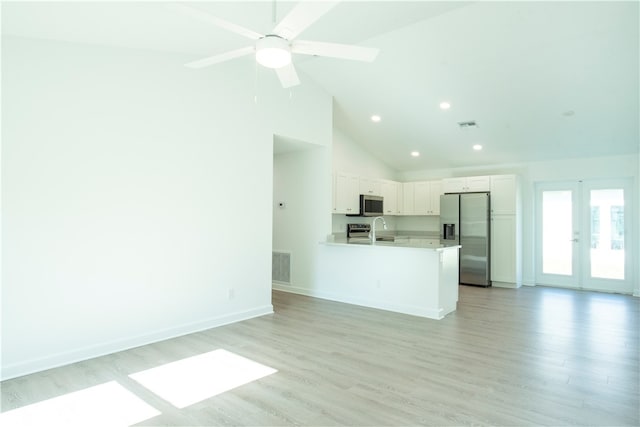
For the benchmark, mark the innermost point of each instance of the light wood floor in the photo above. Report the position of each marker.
(531, 356)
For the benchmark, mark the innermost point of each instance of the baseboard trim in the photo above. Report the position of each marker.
(77, 355)
(291, 289)
(509, 285)
(432, 313)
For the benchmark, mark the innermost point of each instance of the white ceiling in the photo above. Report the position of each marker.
(543, 80)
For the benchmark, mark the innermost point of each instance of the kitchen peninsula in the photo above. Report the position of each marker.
(418, 279)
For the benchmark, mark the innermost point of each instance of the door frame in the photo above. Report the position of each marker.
(602, 284)
(580, 279)
(546, 279)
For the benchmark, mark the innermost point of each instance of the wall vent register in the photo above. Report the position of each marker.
(281, 267)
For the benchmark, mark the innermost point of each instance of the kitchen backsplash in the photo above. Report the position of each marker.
(401, 223)
(418, 223)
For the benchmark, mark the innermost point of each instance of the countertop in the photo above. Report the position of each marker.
(395, 241)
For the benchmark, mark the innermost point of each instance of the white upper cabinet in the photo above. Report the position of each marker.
(370, 186)
(399, 199)
(421, 197)
(407, 198)
(346, 193)
(435, 191)
(389, 190)
(466, 184)
(426, 197)
(504, 194)
(453, 185)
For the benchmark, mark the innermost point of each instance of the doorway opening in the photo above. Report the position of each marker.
(301, 211)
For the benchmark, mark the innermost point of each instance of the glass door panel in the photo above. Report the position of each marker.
(607, 234)
(557, 228)
(607, 255)
(558, 231)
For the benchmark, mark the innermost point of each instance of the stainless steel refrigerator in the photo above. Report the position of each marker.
(465, 221)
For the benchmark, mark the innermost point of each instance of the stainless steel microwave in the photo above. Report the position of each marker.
(370, 206)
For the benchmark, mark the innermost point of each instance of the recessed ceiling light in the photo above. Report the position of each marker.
(376, 118)
(445, 105)
(477, 147)
(415, 153)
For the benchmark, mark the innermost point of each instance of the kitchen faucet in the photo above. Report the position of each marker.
(372, 235)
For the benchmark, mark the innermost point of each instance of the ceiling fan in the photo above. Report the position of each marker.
(274, 50)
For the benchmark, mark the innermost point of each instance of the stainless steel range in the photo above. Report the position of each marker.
(358, 230)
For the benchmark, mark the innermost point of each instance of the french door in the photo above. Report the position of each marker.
(583, 230)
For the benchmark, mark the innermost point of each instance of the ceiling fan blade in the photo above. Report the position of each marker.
(335, 50)
(288, 76)
(205, 62)
(205, 17)
(302, 16)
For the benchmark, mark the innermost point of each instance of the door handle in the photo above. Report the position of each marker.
(574, 240)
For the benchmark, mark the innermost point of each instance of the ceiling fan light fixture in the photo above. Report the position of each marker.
(273, 52)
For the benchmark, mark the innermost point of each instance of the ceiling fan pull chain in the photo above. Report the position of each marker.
(255, 84)
(273, 12)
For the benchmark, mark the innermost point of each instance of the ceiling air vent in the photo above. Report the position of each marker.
(471, 124)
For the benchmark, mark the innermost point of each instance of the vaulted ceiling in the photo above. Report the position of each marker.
(541, 80)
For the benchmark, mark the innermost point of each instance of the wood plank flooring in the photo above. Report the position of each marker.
(507, 357)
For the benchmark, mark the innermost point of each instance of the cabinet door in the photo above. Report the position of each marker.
(435, 191)
(466, 184)
(454, 185)
(399, 199)
(478, 183)
(503, 248)
(347, 193)
(503, 194)
(334, 209)
(420, 198)
(407, 195)
(389, 190)
(370, 186)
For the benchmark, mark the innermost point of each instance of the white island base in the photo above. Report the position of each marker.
(417, 281)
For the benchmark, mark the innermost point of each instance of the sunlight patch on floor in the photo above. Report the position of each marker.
(200, 377)
(108, 404)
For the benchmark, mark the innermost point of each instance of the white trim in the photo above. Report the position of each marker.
(404, 309)
(509, 285)
(285, 287)
(77, 355)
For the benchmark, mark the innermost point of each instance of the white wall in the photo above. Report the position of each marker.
(349, 156)
(302, 181)
(128, 182)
